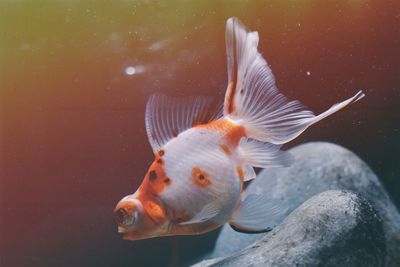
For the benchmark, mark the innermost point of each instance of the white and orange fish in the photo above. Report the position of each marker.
(195, 183)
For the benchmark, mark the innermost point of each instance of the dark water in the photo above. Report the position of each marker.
(72, 121)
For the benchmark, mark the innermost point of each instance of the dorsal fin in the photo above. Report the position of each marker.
(166, 117)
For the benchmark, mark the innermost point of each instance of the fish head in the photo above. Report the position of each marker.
(127, 213)
(138, 218)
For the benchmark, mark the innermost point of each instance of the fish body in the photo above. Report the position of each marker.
(203, 156)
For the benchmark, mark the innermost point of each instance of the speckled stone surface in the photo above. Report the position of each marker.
(319, 166)
(333, 228)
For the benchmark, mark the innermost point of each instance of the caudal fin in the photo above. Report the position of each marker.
(252, 97)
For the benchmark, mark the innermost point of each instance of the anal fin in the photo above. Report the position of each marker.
(258, 213)
(249, 173)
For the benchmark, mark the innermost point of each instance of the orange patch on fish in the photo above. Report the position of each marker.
(167, 181)
(226, 149)
(240, 172)
(230, 107)
(232, 131)
(235, 134)
(161, 152)
(156, 181)
(155, 211)
(200, 178)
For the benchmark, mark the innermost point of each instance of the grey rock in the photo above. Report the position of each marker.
(333, 228)
(317, 167)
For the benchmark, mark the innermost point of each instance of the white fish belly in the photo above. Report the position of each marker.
(199, 148)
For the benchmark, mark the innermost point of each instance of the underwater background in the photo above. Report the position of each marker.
(75, 77)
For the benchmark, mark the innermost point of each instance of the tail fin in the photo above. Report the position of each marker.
(252, 96)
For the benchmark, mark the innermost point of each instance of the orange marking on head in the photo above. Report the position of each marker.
(156, 180)
(167, 181)
(240, 172)
(154, 210)
(226, 149)
(200, 178)
(154, 219)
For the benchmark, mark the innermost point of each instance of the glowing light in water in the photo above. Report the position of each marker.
(131, 70)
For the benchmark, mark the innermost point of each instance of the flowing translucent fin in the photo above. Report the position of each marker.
(209, 211)
(166, 117)
(338, 106)
(262, 155)
(249, 173)
(252, 96)
(257, 213)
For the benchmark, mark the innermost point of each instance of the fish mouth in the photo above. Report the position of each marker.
(125, 215)
(122, 230)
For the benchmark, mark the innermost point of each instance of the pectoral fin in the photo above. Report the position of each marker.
(209, 211)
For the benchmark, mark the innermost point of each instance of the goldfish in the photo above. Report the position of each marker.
(202, 159)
